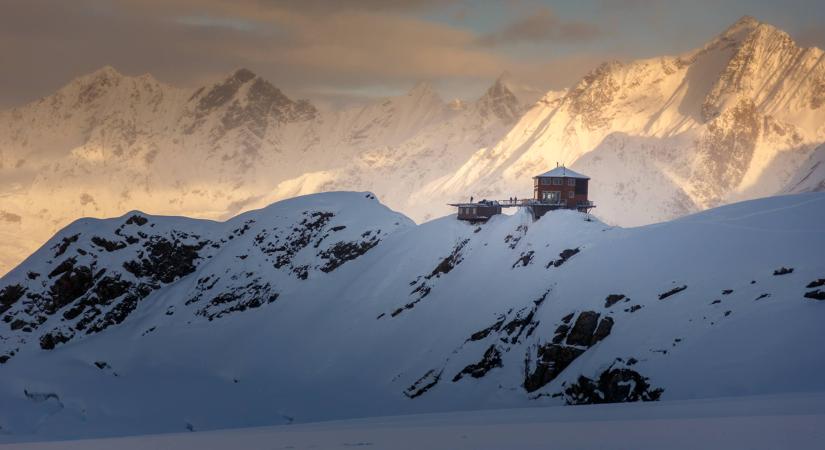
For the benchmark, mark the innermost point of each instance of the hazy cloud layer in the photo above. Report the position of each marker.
(539, 25)
(339, 51)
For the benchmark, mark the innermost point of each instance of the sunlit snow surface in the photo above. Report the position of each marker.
(765, 422)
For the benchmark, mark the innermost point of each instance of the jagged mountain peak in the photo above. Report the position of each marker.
(500, 101)
(422, 89)
(248, 99)
(745, 23)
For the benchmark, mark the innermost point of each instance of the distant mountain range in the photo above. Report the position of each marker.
(334, 306)
(739, 118)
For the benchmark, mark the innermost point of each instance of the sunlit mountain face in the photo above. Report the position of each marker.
(739, 117)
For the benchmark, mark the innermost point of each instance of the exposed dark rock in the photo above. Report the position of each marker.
(73, 283)
(49, 340)
(64, 244)
(166, 261)
(253, 295)
(422, 288)
(512, 240)
(603, 330)
(479, 335)
(612, 299)
(102, 365)
(118, 313)
(423, 384)
(816, 283)
(108, 245)
(449, 263)
(673, 291)
(137, 220)
(301, 272)
(64, 266)
(9, 295)
(615, 385)
(765, 295)
(783, 271)
(524, 259)
(32, 275)
(523, 321)
(716, 302)
(110, 288)
(490, 360)
(552, 360)
(583, 329)
(563, 257)
(727, 292)
(342, 252)
(560, 333)
(817, 294)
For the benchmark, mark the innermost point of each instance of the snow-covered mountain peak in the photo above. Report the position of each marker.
(741, 27)
(245, 99)
(423, 90)
(500, 101)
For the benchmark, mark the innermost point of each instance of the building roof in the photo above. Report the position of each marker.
(562, 172)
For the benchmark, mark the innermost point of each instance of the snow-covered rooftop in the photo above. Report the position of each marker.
(562, 172)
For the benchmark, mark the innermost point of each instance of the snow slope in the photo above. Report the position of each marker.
(763, 422)
(332, 306)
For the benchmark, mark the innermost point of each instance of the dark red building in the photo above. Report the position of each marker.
(561, 187)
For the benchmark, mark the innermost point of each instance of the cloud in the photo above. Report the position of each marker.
(541, 25)
(303, 47)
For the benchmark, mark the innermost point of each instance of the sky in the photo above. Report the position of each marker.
(340, 52)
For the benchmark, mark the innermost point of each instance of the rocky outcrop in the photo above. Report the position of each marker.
(423, 384)
(673, 291)
(490, 360)
(544, 363)
(563, 257)
(423, 285)
(614, 385)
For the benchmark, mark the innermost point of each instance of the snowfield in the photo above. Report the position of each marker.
(793, 421)
(332, 306)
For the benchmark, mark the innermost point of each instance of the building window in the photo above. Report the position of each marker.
(551, 197)
(557, 181)
(571, 194)
(571, 181)
(545, 180)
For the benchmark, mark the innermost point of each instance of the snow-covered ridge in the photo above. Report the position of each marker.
(334, 306)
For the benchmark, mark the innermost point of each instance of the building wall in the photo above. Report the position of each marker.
(571, 195)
